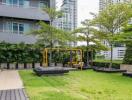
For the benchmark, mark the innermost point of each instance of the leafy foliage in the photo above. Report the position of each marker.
(53, 13)
(126, 38)
(89, 33)
(20, 53)
(111, 20)
(128, 55)
(48, 33)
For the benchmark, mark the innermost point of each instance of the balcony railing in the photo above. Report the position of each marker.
(12, 32)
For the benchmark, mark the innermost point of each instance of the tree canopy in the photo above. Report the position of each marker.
(111, 20)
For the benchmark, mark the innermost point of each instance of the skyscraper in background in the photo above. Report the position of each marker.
(118, 50)
(68, 21)
(104, 3)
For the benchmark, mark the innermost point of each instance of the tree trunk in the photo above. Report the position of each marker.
(92, 54)
(51, 45)
(111, 59)
(87, 63)
(50, 59)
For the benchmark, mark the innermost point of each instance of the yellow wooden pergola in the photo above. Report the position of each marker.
(46, 50)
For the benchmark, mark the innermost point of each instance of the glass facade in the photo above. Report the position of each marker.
(16, 27)
(27, 3)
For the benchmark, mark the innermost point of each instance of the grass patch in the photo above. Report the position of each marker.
(78, 85)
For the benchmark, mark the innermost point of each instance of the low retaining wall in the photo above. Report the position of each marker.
(19, 65)
(126, 67)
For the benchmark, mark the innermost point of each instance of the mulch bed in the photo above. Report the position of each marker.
(50, 70)
(108, 70)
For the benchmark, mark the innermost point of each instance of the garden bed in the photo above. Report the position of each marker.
(128, 74)
(108, 70)
(50, 70)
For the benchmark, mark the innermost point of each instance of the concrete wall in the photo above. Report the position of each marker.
(126, 67)
(8, 36)
(16, 38)
(23, 13)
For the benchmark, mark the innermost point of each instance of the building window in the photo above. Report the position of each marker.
(21, 28)
(14, 2)
(1, 26)
(43, 4)
(18, 28)
(21, 2)
(8, 27)
(15, 28)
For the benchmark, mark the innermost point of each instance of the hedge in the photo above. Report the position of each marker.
(19, 53)
(106, 64)
(128, 55)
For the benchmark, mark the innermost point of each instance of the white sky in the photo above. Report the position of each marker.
(84, 7)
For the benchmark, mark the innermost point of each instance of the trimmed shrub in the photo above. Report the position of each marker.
(106, 65)
(128, 55)
(19, 53)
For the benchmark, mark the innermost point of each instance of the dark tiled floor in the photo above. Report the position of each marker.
(16, 94)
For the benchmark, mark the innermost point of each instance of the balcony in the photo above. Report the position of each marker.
(22, 12)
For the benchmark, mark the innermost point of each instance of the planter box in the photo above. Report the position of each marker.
(12, 66)
(59, 64)
(20, 66)
(29, 65)
(52, 65)
(37, 65)
(126, 67)
(3, 65)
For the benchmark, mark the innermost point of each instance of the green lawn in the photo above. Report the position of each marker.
(78, 85)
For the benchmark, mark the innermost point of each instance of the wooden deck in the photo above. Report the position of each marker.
(14, 94)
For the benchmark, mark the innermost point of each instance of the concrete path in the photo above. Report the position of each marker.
(10, 79)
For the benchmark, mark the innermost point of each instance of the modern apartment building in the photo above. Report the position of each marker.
(118, 50)
(104, 3)
(18, 17)
(69, 20)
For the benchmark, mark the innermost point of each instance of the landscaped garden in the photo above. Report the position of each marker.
(78, 85)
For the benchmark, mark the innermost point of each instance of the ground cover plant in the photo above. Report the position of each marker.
(78, 85)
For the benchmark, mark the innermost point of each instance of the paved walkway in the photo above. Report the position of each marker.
(10, 79)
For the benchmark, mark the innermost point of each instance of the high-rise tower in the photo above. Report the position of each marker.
(69, 20)
(104, 3)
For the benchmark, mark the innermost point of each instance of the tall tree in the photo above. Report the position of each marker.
(111, 20)
(53, 14)
(125, 38)
(89, 34)
(44, 35)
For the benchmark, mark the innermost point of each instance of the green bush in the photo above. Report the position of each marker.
(106, 65)
(20, 53)
(128, 55)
